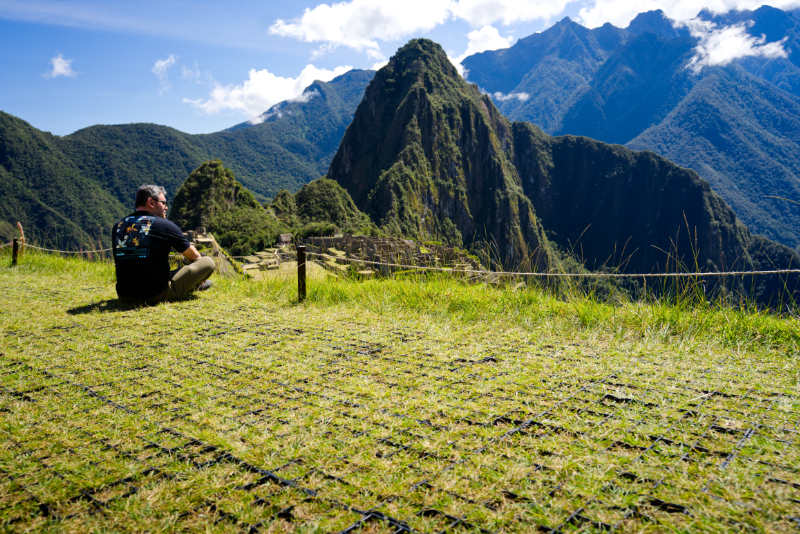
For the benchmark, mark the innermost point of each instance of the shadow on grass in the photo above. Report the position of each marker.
(116, 305)
(108, 305)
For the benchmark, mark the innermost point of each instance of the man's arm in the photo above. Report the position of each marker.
(191, 253)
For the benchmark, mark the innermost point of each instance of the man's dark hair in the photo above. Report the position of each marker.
(148, 191)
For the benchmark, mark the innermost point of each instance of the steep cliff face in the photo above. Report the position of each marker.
(613, 207)
(616, 209)
(426, 156)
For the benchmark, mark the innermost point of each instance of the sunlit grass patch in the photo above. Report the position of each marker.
(403, 405)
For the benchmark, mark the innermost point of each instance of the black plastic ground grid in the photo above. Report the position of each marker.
(326, 434)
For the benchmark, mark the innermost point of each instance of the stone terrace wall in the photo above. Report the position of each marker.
(393, 250)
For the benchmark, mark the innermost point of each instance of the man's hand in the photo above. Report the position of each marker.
(191, 254)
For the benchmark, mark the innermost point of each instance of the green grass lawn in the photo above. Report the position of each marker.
(420, 405)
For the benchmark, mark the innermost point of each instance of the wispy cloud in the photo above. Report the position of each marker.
(234, 23)
(305, 97)
(279, 109)
(720, 46)
(74, 14)
(161, 70)
(262, 90)
(161, 66)
(486, 38)
(59, 66)
(483, 12)
(502, 97)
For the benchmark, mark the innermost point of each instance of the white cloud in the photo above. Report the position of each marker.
(720, 46)
(161, 66)
(378, 65)
(363, 24)
(60, 67)
(501, 97)
(717, 45)
(161, 69)
(486, 38)
(262, 90)
(266, 116)
(305, 97)
(279, 109)
(360, 24)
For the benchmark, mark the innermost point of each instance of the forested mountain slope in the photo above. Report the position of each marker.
(68, 190)
(735, 124)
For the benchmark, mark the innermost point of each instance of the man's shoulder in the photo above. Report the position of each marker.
(135, 217)
(161, 222)
(148, 218)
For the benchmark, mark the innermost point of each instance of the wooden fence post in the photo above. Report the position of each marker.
(301, 273)
(14, 252)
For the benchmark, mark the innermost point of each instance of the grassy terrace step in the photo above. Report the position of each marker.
(388, 405)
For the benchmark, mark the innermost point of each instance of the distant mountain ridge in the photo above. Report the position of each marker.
(68, 190)
(733, 124)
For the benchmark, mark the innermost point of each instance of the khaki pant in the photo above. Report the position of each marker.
(187, 278)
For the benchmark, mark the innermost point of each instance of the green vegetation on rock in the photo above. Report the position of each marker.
(326, 200)
(212, 198)
(44, 189)
(425, 158)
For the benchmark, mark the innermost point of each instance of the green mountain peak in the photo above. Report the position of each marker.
(426, 157)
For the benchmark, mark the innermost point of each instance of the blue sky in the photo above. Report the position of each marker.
(203, 66)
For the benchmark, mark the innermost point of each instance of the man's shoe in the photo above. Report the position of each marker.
(204, 285)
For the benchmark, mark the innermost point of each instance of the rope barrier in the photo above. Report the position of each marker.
(28, 245)
(561, 275)
(485, 272)
(256, 256)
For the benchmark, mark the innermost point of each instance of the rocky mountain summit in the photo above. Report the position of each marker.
(427, 156)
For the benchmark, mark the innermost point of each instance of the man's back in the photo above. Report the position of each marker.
(141, 244)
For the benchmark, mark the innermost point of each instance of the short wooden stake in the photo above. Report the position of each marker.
(301, 273)
(14, 252)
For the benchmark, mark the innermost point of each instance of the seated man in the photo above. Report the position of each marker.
(141, 244)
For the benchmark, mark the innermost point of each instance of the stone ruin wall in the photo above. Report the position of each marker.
(392, 250)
